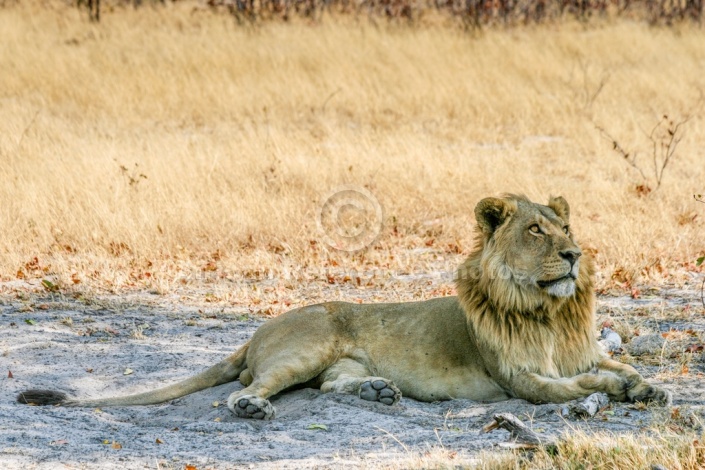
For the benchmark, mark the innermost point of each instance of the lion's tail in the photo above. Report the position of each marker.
(225, 371)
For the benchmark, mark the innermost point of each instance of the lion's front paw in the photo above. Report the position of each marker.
(647, 393)
(617, 391)
(250, 406)
(381, 390)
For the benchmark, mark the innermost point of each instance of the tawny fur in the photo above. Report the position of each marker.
(521, 326)
(533, 332)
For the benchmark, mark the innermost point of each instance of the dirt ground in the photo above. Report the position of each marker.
(93, 349)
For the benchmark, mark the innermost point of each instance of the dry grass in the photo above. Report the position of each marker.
(165, 144)
(580, 450)
(240, 131)
(672, 449)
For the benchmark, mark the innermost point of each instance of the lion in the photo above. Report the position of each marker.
(521, 326)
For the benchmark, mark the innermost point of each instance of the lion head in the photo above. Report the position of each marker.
(526, 253)
(527, 289)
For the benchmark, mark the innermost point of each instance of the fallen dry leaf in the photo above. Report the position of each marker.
(116, 445)
(128, 371)
(9, 375)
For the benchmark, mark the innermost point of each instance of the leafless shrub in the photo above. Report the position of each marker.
(664, 139)
(472, 14)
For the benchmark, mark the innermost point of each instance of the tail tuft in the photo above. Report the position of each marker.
(41, 397)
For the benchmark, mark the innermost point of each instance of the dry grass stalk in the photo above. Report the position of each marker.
(164, 148)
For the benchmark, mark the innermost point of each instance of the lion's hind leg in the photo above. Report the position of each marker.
(248, 402)
(250, 406)
(351, 377)
(251, 402)
(268, 376)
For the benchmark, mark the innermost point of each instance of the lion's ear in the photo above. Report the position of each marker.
(560, 207)
(491, 212)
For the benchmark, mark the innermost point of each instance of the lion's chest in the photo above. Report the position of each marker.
(544, 350)
(535, 351)
(551, 351)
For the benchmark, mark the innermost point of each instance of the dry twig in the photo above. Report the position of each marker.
(588, 407)
(521, 436)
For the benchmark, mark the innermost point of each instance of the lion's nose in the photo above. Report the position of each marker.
(570, 255)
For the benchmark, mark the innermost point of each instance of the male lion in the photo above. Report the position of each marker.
(522, 326)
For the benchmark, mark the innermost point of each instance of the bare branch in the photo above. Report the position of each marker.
(663, 148)
(618, 148)
(519, 433)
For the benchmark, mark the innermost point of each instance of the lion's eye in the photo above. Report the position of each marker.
(535, 228)
(566, 230)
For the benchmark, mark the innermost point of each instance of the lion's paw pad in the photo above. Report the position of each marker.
(380, 390)
(253, 408)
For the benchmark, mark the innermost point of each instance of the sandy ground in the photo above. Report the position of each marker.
(89, 355)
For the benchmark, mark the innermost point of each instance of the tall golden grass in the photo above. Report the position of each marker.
(169, 141)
